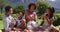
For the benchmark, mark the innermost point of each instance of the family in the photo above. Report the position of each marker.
(29, 24)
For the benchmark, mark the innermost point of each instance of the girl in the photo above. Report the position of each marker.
(48, 19)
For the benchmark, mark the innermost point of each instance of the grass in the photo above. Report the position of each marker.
(39, 21)
(1, 24)
(58, 26)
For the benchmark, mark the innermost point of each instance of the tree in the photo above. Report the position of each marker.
(19, 8)
(57, 20)
(42, 5)
(3, 3)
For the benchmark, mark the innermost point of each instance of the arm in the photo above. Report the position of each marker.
(50, 21)
(27, 17)
(13, 23)
(6, 24)
(35, 18)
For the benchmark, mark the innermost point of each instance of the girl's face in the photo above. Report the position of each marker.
(48, 11)
(32, 8)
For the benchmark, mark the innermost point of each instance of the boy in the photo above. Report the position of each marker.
(20, 23)
(8, 18)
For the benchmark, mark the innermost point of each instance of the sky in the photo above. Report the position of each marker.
(55, 4)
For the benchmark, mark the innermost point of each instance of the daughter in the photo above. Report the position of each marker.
(48, 19)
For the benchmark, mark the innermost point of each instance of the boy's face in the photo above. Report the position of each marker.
(20, 15)
(10, 11)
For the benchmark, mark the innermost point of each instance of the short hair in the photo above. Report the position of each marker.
(31, 5)
(7, 8)
(20, 12)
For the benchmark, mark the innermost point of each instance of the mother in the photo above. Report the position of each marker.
(30, 14)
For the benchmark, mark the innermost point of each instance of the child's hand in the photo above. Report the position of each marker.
(14, 21)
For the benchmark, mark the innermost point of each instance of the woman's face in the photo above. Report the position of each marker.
(32, 8)
(48, 11)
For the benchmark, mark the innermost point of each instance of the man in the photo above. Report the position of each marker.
(8, 18)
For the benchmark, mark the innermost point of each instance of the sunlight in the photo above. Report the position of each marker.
(51, 0)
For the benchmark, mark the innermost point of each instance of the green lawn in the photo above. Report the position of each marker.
(1, 24)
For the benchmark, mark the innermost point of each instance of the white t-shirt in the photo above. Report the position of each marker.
(7, 21)
(18, 21)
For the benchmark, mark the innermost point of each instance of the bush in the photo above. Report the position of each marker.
(42, 5)
(18, 9)
(14, 16)
(57, 20)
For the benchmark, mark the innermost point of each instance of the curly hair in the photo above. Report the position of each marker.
(31, 5)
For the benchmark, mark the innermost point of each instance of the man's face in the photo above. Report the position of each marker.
(20, 15)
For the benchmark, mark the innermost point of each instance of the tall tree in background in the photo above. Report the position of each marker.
(42, 5)
(2, 4)
(19, 8)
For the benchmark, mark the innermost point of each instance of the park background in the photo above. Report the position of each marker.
(21, 5)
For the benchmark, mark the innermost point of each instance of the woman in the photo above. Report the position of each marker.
(48, 19)
(30, 14)
(31, 17)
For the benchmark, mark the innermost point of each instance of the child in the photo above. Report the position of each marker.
(20, 23)
(8, 18)
(48, 19)
(19, 18)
